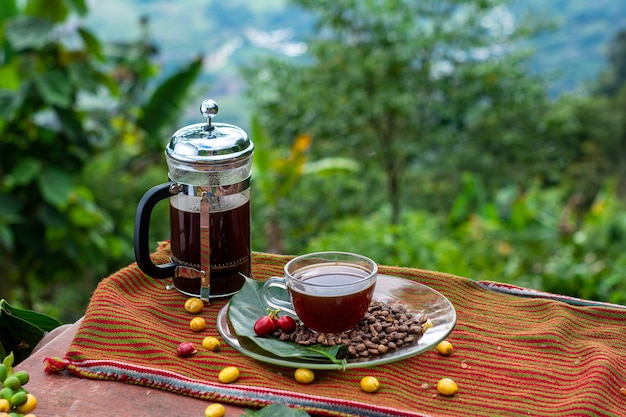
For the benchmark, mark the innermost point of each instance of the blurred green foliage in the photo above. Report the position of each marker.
(278, 172)
(409, 89)
(467, 166)
(79, 127)
(372, 146)
(523, 237)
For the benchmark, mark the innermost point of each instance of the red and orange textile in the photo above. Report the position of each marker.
(515, 355)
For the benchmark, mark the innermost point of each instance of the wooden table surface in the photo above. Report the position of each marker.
(65, 395)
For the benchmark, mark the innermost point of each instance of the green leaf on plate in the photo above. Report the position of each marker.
(247, 306)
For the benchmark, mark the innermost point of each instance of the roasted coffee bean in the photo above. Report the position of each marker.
(301, 339)
(370, 344)
(384, 328)
(415, 329)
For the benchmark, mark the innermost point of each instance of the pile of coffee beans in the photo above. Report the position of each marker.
(384, 328)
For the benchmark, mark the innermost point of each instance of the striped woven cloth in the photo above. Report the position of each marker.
(514, 355)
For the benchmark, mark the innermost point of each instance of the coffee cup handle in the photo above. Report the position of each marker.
(273, 302)
(142, 232)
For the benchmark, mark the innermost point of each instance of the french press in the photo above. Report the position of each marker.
(209, 167)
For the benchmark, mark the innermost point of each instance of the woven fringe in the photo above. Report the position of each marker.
(55, 365)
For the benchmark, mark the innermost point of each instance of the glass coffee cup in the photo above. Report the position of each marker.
(330, 292)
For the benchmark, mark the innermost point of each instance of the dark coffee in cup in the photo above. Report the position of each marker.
(331, 298)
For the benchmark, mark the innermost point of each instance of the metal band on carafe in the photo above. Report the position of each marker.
(217, 191)
(205, 247)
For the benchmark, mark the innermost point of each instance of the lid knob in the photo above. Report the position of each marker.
(209, 109)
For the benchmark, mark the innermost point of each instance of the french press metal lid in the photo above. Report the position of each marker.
(209, 154)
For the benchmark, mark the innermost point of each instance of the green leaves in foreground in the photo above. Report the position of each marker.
(21, 330)
(247, 306)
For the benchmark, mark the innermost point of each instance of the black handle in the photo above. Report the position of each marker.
(142, 233)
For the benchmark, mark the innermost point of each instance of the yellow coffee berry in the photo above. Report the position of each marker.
(5, 405)
(215, 410)
(194, 305)
(228, 375)
(447, 387)
(304, 375)
(427, 325)
(197, 324)
(445, 348)
(211, 343)
(369, 384)
(29, 405)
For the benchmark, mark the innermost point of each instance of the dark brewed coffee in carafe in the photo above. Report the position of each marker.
(230, 248)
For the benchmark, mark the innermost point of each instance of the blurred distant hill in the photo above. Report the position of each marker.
(232, 33)
(573, 54)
